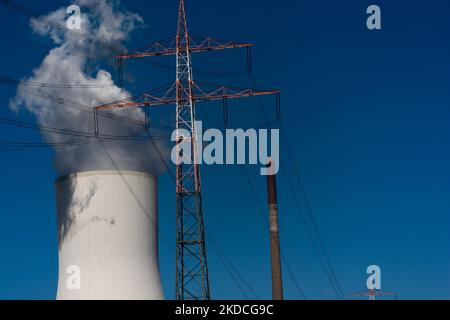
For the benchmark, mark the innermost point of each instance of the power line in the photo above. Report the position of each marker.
(134, 64)
(30, 89)
(75, 133)
(311, 216)
(37, 44)
(309, 233)
(23, 10)
(231, 269)
(5, 79)
(325, 262)
(263, 218)
(234, 274)
(285, 261)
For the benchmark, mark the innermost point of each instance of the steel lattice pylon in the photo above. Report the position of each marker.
(192, 282)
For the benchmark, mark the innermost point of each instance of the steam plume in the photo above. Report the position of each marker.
(74, 60)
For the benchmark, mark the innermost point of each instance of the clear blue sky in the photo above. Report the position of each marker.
(367, 115)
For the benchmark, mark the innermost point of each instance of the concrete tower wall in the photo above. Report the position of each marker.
(107, 236)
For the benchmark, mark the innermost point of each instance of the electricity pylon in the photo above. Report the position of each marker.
(372, 294)
(192, 282)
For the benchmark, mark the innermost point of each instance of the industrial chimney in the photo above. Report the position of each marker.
(107, 236)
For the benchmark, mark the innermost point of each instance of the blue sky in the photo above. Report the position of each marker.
(367, 116)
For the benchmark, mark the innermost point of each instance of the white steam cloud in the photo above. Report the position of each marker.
(74, 60)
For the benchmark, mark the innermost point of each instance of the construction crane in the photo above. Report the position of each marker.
(192, 281)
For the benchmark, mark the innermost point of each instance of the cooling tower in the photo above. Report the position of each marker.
(107, 236)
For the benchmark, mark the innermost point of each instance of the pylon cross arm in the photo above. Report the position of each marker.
(211, 93)
(193, 44)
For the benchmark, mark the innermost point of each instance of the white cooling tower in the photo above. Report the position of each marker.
(107, 236)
